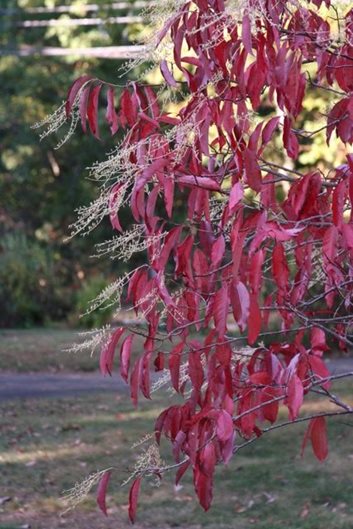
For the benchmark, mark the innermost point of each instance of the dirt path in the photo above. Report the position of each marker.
(37, 385)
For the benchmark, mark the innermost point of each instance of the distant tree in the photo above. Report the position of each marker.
(34, 177)
(263, 245)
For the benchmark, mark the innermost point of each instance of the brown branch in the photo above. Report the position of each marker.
(287, 423)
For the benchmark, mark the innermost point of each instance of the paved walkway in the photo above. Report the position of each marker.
(34, 385)
(340, 365)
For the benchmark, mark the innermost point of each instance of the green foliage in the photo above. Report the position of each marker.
(41, 187)
(84, 296)
(31, 289)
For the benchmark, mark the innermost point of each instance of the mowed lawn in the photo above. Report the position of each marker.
(46, 445)
(34, 350)
(47, 350)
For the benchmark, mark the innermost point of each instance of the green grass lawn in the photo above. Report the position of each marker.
(48, 445)
(42, 350)
(45, 350)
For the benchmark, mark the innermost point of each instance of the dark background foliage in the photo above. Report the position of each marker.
(44, 278)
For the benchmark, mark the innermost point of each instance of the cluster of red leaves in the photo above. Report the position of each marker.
(288, 257)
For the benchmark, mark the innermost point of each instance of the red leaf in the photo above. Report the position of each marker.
(270, 410)
(83, 107)
(128, 111)
(171, 241)
(169, 194)
(252, 170)
(254, 138)
(111, 115)
(201, 270)
(289, 139)
(256, 79)
(269, 129)
(329, 244)
(159, 424)
(135, 380)
(347, 231)
(338, 200)
(240, 300)
(145, 378)
(317, 433)
(196, 181)
(155, 168)
(335, 117)
(224, 428)
(295, 396)
(107, 354)
(125, 354)
(136, 285)
(280, 268)
(153, 106)
(254, 320)
(227, 449)
(169, 120)
(92, 110)
(73, 91)
(102, 491)
(174, 365)
(318, 340)
(217, 251)
(319, 369)
(255, 271)
(260, 378)
(246, 34)
(208, 459)
(319, 438)
(113, 199)
(167, 74)
(236, 195)
(220, 309)
(183, 258)
(159, 362)
(224, 354)
(203, 487)
(237, 240)
(133, 498)
(181, 471)
(195, 369)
